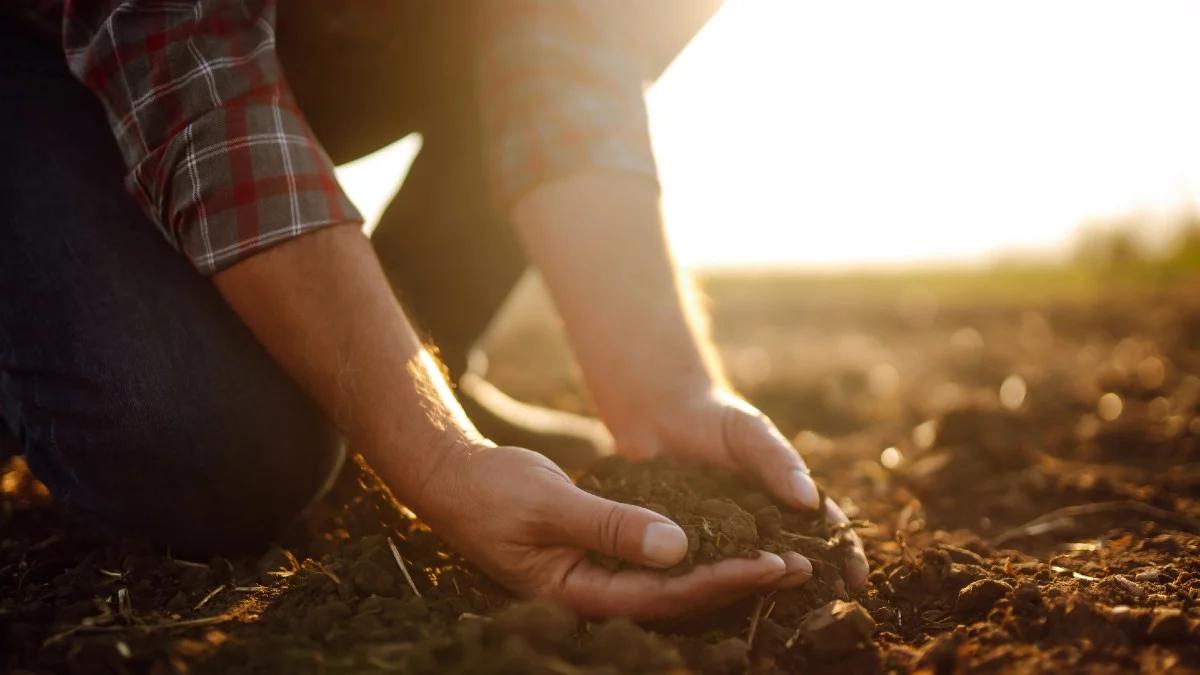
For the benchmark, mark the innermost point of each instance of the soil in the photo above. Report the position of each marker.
(723, 516)
(1026, 473)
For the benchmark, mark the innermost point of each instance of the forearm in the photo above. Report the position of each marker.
(322, 307)
(599, 242)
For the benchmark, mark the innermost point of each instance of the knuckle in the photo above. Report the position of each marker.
(748, 435)
(608, 529)
(734, 431)
(546, 509)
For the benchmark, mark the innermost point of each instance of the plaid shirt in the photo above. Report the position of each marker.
(221, 158)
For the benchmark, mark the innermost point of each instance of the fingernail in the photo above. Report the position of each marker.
(664, 544)
(776, 571)
(856, 573)
(804, 489)
(799, 570)
(799, 565)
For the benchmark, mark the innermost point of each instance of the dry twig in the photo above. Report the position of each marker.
(403, 567)
(211, 594)
(758, 610)
(147, 627)
(1065, 517)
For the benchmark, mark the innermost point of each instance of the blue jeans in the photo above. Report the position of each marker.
(129, 385)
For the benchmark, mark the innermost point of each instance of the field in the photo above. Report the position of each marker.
(1020, 449)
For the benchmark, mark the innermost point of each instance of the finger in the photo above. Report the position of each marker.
(638, 448)
(641, 595)
(799, 570)
(856, 569)
(759, 448)
(614, 529)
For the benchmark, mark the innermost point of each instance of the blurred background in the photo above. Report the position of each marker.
(900, 210)
(868, 133)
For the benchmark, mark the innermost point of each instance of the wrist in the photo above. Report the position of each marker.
(416, 470)
(648, 421)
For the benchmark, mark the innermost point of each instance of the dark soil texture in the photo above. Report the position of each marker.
(1024, 471)
(722, 515)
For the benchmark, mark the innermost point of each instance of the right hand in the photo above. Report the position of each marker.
(516, 515)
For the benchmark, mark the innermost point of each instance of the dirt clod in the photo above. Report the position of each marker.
(836, 627)
(980, 596)
(1167, 625)
(722, 515)
(731, 655)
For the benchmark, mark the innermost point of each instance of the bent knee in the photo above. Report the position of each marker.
(205, 466)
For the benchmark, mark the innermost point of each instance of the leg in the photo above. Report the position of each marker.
(134, 392)
(451, 258)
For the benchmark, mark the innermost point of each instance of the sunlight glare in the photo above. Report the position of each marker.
(869, 131)
(372, 180)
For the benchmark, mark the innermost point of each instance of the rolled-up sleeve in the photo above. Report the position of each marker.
(559, 93)
(219, 154)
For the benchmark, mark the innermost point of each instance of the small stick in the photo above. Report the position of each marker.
(185, 623)
(791, 642)
(1074, 575)
(124, 604)
(210, 596)
(758, 608)
(47, 542)
(1064, 516)
(403, 568)
(329, 573)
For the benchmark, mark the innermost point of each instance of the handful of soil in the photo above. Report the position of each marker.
(722, 515)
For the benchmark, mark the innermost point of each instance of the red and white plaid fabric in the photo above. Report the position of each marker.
(220, 156)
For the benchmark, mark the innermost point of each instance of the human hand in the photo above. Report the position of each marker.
(517, 516)
(717, 427)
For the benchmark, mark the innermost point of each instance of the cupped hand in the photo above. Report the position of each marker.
(718, 427)
(517, 516)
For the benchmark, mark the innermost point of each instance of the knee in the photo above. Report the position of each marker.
(204, 460)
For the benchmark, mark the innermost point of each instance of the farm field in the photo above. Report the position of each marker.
(1020, 452)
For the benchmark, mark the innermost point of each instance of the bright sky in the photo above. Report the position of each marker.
(835, 132)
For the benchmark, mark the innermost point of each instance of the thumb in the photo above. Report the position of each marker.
(619, 530)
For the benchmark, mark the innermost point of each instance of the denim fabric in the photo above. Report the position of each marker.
(131, 388)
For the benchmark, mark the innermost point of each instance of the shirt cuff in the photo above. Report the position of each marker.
(238, 180)
(559, 95)
(579, 131)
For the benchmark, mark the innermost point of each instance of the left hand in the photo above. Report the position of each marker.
(720, 428)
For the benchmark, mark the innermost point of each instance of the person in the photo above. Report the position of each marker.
(193, 325)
